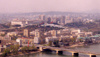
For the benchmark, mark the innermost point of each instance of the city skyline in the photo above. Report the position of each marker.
(25, 6)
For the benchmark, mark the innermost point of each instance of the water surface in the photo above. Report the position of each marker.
(90, 48)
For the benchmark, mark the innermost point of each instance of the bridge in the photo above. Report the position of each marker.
(60, 50)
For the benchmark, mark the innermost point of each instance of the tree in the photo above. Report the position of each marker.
(25, 49)
(2, 35)
(14, 48)
(50, 43)
(6, 52)
(56, 43)
(73, 39)
(32, 47)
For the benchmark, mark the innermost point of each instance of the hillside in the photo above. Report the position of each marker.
(3, 26)
(92, 26)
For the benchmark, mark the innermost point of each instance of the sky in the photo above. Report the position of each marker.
(24, 6)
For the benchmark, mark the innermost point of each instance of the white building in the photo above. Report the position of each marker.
(48, 39)
(75, 31)
(22, 22)
(25, 41)
(53, 25)
(32, 33)
(53, 32)
(12, 33)
(36, 40)
(19, 41)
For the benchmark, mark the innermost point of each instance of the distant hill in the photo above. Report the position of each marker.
(50, 13)
(2, 26)
(46, 13)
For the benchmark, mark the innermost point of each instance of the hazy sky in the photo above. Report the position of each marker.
(22, 6)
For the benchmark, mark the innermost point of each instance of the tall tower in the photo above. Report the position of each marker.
(26, 33)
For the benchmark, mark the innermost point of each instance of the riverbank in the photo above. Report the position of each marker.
(82, 45)
(20, 53)
(76, 45)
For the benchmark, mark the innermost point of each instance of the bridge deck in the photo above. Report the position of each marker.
(69, 50)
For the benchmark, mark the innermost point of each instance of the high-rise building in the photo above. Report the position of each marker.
(36, 40)
(37, 36)
(42, 17)
(26, 33)
(68, 19)
(58, 20)
(54, 32)
(48, 20)
(62, 20)
(38, 33)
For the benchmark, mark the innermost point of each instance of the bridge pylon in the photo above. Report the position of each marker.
(59, 52)
(92, 55)
(41, 48)
(75, 54)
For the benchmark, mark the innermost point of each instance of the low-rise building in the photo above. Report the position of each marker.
(25, 41)
(73, 31)
(6, 44)
(6, 37)
(48, 39)
(36, 40)
(1, 32)
(32, 33)
(12, 33)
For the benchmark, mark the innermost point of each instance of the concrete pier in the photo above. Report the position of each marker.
(75, 54)
(59, 52)
(40, 48)
(92, 55)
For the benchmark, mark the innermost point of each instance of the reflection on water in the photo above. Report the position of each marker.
(92, 48)
(44, 54)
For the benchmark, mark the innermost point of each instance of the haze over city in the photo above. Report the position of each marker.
(24, 6)
(49, 28)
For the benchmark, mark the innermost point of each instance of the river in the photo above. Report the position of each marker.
(91, 48)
